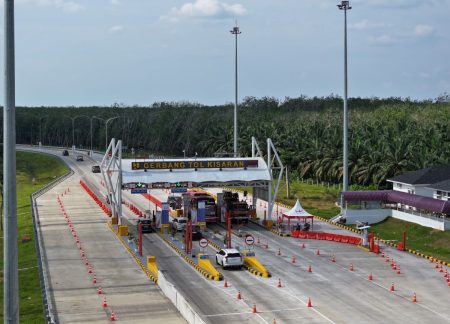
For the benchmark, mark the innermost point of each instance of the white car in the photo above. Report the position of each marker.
(179, 223)
(229, 258)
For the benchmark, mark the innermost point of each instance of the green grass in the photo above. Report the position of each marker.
(423, 239)
(43, 169)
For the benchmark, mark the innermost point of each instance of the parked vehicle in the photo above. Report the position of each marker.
(96, 169)
(146, 225)
(239, 210)
(179, 223)
(80, 158)
(210, 206)
(65, 153)
(229, 258)
(175, 202)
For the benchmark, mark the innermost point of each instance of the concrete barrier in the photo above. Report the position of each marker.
(180, 302)
(151, 265)
(205, 264)
(254, 266)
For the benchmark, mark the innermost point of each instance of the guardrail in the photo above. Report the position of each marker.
(49, 313)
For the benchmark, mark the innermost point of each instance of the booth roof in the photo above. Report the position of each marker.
(297, 211)
(226, 175)
(426, 203)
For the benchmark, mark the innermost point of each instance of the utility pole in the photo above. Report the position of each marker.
(235, 31)
(10, 258)
(345, 5)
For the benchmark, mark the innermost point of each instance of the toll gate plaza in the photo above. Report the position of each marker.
(304, 277)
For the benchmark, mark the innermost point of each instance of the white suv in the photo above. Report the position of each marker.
(179, 223)
(229, 258)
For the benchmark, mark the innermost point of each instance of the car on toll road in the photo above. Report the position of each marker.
(229, 258)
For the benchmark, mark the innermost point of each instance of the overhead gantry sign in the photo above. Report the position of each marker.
(194, 164)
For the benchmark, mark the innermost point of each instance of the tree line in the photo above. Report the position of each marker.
(386, 136)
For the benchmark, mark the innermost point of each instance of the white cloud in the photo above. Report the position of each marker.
(383, 40)
(423, 30)
(397, 3)
(367, 24)
(64, 5)
(116, 29)
(206, 9)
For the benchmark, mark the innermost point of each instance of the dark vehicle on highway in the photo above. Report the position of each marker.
(146, 225)
(95, 169)
(174, 202)
(80, 158)
(196, 233)
(65, 153)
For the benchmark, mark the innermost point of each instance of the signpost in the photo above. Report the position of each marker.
(178, 190)
(249, 240)
(203, 243)
(139, 191)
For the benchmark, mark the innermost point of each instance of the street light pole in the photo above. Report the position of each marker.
(106, 127)
(10, 257)
(73, 128)
(235, 31)
(345, 5)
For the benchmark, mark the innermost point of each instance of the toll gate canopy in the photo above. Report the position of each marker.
(200, 172)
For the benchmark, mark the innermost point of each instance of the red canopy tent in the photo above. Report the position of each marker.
(297, 212)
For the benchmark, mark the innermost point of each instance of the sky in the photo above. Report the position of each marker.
(137, 52)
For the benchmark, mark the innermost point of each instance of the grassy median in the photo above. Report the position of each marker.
(33, 172)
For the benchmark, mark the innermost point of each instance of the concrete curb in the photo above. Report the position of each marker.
(206, 274)
(133, 255)
(258, 273)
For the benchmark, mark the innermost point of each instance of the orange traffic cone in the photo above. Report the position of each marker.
(303, 245)
(441, 270)
(225, 284)
(105, 304)
(254, 309)
(309, 269)
(370, 277)
(112, 317)
(351, 267)
(446, 273)
(333, 258)
(414, 298)
(318, 252)
(279, 251)
(99, 290)
(94, 280)
(279, 283)
(309, 302)
(398, 271)
(392, 287)
(239, 295)
(293, 259)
